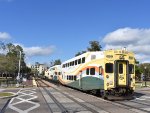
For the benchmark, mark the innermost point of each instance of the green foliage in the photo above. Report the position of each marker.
(6, 94)
(142, 68)
(94, 46)
(145, 67)
(9, 62)
(80, 53)
(138, 72)
(57, 62)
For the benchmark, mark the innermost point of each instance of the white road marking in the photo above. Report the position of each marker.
(21, 93)
(139, 99)
(142, 98)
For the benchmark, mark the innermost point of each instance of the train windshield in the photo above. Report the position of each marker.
(109, 67)
(131, 69)
(120, 68)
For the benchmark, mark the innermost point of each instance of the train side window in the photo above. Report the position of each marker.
(87, 71)
(71, 77)
(92, 71)
(120, 68)
(67, 77)
(100, 70)
(83, 60)
(76, 62)
(75, 77)
(109, 67)
(131, 69)
(79, 61)
(73, 63)
(93, 57)
(68, 64)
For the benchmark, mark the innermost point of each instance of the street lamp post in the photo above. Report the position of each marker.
(145, 75)
(18, 77)
(19, 63)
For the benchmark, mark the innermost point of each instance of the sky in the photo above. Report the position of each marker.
(58, 29)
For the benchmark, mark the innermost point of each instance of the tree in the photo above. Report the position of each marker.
(94, 46)
(10, 60)
(3, 62)
(138, 72)
(57, 62)
(80, 53)
(2, 46)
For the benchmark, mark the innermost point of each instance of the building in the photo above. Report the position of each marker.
(38, 68)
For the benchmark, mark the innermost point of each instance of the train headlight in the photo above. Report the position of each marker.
(107, 84)
(107, 76)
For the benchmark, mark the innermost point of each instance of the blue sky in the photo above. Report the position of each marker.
(53, 29)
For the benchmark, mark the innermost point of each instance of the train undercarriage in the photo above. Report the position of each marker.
(119, 93)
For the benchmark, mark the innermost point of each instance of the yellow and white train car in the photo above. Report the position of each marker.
(108, 72)
(53, 72)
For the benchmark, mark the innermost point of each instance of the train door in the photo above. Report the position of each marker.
(121, 73)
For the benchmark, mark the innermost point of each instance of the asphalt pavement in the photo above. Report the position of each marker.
(56, 99)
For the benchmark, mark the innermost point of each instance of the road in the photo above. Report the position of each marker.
(52, 98)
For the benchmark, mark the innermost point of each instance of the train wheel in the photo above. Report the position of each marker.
(103, 94)
(94, 92)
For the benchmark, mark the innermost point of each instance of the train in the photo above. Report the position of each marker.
(53, 73)
(109, 73)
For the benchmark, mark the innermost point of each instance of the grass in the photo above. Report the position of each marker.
(5, 94)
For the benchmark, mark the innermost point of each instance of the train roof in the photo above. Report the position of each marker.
(97, 52)
(83, 55)
(55, 66)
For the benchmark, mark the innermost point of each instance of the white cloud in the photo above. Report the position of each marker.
(136, 40)
(4, 36)
(39, 51)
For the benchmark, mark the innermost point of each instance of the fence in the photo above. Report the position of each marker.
(8, 82)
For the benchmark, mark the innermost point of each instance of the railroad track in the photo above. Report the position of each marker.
(125, 104)
(41, 83)
(63, 106)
